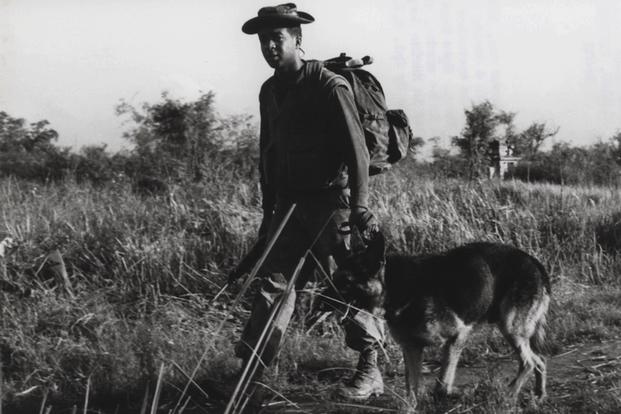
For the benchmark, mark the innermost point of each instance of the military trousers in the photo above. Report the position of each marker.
(317, 219)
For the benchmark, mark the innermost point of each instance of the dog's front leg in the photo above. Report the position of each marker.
(412, 360)
(450, 357)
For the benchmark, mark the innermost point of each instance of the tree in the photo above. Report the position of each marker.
(94, 164)
(477, 136)
(15, 136)
(603, 166)
(528, 142)
(615, 142)
(595, 164)
(486, 128)
(171, 138)
(505, 119)
(28, 150)
(188, 140)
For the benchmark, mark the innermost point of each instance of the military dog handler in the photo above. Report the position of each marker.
(313, 154)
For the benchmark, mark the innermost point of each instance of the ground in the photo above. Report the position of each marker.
(146, 295)
(575, 378)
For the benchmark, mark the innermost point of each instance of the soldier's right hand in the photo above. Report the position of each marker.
(366, 222)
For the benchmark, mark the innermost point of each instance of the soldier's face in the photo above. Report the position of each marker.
(279, 48)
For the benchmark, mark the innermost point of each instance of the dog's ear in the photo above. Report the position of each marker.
(375, 252)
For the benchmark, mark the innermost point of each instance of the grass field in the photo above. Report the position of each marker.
(144, 272)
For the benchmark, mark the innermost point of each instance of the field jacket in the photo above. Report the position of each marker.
(311, 139)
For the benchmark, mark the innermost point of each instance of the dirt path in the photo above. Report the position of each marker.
(582, 378)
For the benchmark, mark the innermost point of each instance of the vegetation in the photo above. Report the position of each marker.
(146, 274)
(29, 151)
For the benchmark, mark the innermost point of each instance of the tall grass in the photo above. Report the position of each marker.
(145, 270)
(574, 231)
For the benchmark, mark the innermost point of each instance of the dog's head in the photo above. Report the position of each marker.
(360, 278)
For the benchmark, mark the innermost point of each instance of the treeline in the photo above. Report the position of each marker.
(172, 141)
(487, 128)
(176, 141)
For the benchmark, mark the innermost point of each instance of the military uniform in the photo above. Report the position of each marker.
(312, 154)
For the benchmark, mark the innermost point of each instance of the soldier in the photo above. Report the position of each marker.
(312, 153)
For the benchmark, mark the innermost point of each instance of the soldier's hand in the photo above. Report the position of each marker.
(366, 222)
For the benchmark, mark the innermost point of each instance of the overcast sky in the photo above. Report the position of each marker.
(556, 61)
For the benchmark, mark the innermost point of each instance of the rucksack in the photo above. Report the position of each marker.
(387, 131)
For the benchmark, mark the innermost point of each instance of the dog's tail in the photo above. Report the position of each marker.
(545, 277)
(538, 340)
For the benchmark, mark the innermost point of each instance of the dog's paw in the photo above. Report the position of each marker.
(443, 391)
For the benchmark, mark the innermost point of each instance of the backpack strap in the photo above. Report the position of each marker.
(314, 67)
(325, 77)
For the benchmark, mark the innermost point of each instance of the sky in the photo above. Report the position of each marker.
(553, 61)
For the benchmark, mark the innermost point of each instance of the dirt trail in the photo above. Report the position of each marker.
(582, 364)
(582, 369)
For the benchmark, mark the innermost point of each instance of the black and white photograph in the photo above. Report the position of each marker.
(348, 206)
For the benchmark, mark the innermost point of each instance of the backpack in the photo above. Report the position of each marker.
(387, 132)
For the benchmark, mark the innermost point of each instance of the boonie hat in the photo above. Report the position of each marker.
(283, 15)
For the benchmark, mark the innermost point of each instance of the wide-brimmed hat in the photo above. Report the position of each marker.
(283, 15)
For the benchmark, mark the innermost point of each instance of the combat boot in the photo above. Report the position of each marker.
(367, 380)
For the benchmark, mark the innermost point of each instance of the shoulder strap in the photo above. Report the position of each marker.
(325, 77)
(314, 67)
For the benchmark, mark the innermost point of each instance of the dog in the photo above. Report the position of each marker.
(443, 297)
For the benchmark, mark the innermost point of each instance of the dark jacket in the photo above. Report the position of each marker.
(311, 137)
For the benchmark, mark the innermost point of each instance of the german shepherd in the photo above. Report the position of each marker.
(443, 297)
